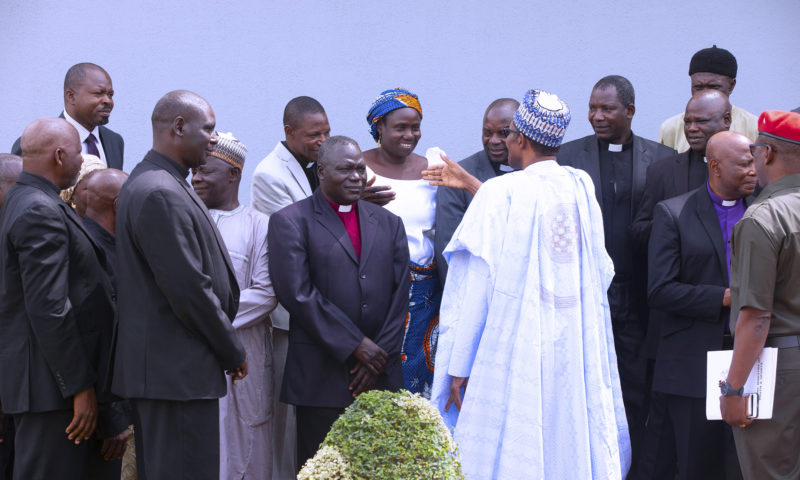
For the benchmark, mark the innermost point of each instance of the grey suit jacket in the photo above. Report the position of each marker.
(584, 154)
(452, 203)
(56, 310)
(177, 290)
(336, 299)
(688, 275)
(113, 146)
(278, 181)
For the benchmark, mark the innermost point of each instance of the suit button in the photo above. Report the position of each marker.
(363, 306)
(363, 276)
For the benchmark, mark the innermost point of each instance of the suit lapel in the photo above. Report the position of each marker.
(592, 165)
(484, 170)
(73, 217)
(710, 221)
(328, 218)
(220, 242)
(297, 172)
(367, 226)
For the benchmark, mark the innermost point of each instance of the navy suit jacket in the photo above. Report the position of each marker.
(688, 276)
(335, 298)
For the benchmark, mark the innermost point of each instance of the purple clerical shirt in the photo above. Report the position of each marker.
(728, 213)
(350, 220)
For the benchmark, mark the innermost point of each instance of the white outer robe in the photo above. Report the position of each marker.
(525, 316)
(245, 413)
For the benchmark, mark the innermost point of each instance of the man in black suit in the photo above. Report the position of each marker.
(688, 285)
(88, 101)
(617, 160)
(707, 113)
(340, 267)
(177, 298)
(452, 203)
(56, 319)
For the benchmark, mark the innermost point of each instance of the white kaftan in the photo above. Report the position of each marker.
(245, 413)
(525, 316)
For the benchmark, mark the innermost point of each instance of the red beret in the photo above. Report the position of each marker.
(781, 125)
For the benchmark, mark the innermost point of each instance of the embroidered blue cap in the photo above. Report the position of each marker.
(543, 118)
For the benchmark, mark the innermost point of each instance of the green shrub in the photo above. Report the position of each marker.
(385, 435)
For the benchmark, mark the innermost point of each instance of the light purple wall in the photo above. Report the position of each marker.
(249, 57)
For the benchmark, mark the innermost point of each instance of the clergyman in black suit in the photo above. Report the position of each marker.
(617, 161)
(689, 258)
(88, 101)
(56, 318)
(340, 267)
(177, 299)
(452, 203)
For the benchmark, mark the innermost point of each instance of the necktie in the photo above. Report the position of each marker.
(91, 145)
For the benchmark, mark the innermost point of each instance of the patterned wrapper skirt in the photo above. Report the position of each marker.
(422, 329)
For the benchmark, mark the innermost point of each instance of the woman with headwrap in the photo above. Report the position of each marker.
(394, 121)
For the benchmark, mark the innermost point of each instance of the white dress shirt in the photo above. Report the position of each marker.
(84, 134)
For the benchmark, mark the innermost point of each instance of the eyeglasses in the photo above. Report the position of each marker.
(758, 145)
(506, 131)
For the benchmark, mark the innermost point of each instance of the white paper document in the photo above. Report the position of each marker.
(761, 381)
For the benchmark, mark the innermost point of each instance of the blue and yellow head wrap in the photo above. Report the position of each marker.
(388, 101)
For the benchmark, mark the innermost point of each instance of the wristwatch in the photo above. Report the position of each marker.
(729, 391)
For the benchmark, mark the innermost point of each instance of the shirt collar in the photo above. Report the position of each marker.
(338, 208)
(226, 213)
(27, 178)
(167, 164)
(717, 200)
(789, 181)
(82, 132)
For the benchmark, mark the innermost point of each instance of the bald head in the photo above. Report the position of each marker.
(51, 148)
(178, 103)
(183, 128)
(731, 170)
(707, 113)
(102, 189)
(504, 104)
(10, 168)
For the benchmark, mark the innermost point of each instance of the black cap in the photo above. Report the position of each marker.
(714, 60)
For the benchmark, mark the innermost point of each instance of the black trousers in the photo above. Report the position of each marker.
(313, 424)
(42, 450)
(176, 440)
(679, 437)
(7, 449)
(628, 339)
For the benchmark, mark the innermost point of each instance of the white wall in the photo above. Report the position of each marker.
(249, 57)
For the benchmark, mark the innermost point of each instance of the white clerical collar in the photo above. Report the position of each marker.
(310, 164)
(345, 208)
(705, 160)
(82, 132)
(728, 203)
(613, 147)
(505, 168)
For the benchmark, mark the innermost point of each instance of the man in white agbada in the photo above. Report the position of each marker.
(525, 332)
(245, 413)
